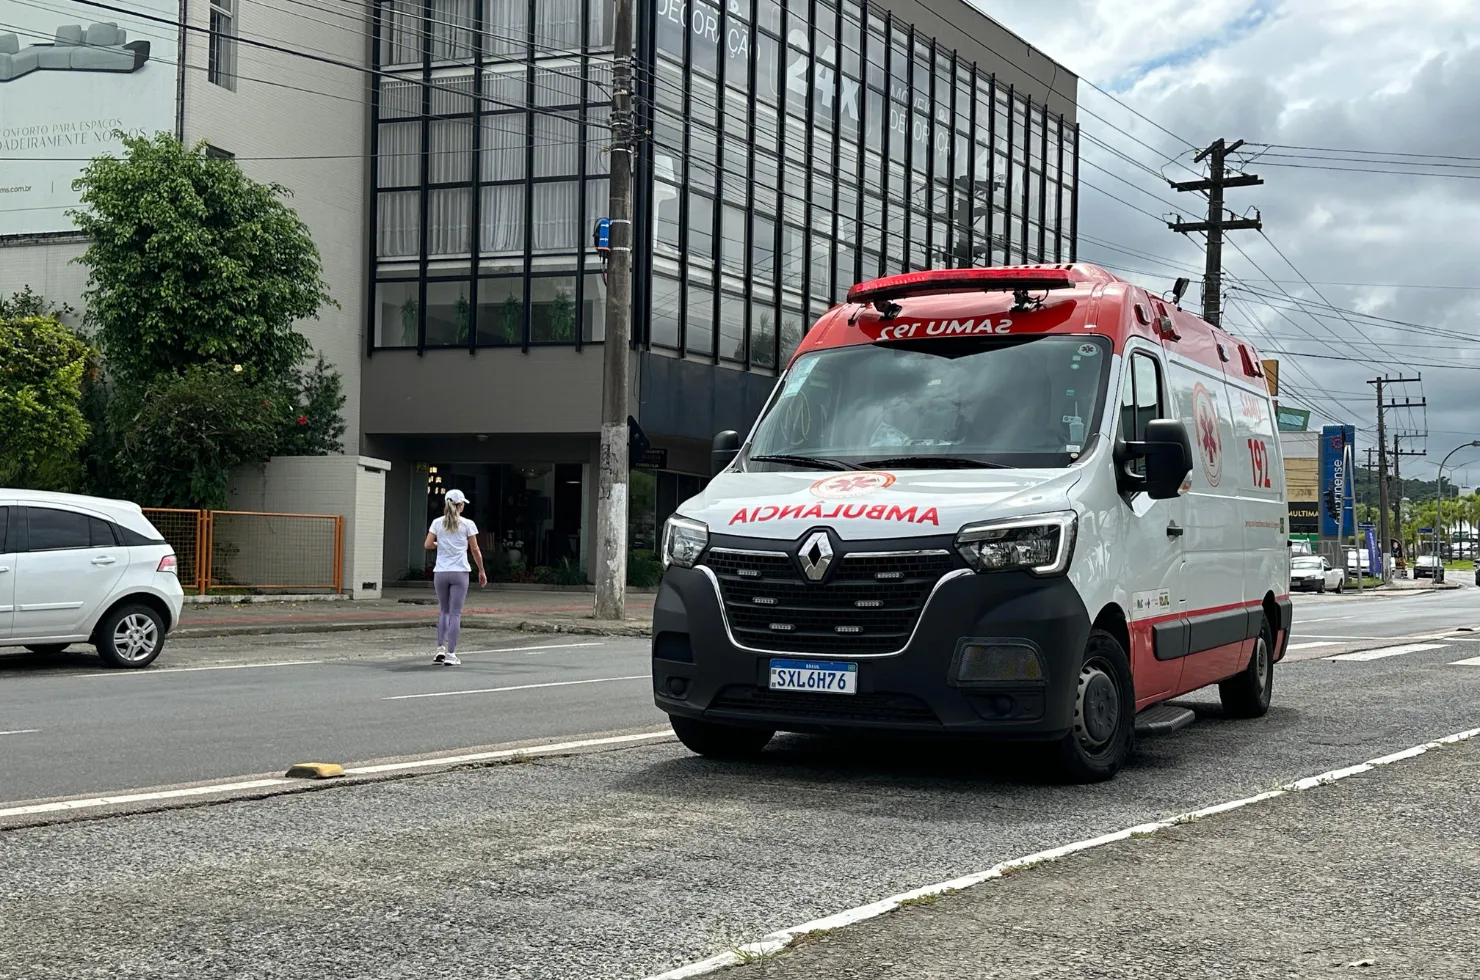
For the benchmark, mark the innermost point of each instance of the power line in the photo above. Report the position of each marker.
(1389, 153)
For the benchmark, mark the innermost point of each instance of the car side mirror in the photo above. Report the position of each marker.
(724, 450)
(1167, 451)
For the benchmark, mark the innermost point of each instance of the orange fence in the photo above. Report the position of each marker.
(228, 550)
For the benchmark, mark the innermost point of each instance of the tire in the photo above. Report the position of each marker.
(1104, 731)
(130, 636)
(1340, 585)
(1321, 589)
(1247, 694)
(720, 741)
(47, 649)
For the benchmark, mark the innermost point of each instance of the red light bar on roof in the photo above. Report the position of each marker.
(953, 280)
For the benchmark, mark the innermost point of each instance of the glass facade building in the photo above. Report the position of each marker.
(785, 151)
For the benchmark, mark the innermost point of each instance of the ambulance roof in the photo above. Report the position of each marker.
(1010, 301)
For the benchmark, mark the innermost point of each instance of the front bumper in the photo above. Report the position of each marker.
(700, 671)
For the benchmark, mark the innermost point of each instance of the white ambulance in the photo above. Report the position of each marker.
(1028, 503)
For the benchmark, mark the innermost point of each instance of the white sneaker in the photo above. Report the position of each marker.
(441, 656)
(451, 660)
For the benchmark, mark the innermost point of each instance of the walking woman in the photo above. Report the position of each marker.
(453, 536)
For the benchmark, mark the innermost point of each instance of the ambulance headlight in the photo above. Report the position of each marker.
(1041, 544)
(683, 542)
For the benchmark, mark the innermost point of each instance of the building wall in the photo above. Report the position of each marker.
(353, 487)
(47, 267)
(301, 124)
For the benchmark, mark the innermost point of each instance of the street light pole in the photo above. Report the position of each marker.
(1439, 514)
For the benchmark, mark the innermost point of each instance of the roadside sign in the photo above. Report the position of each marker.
(1292, 419)
(1425, 530)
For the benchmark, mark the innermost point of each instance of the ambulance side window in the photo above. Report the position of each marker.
(1140, 402)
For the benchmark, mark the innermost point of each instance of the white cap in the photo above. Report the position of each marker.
(456, 497)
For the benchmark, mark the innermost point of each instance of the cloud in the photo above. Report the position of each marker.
(1361, 75)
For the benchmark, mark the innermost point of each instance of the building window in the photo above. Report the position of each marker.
(449, 314)
(501, 311)
(216, 153)
(221, 63)
(397, 314)
(552, 310)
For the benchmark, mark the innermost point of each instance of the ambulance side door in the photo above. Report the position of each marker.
(1152, 553)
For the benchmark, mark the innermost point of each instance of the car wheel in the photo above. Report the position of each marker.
(131, 636)
(1339, 585)
(1247, 695)
(47, 649)
(720, 741)
(1321, 589)
(1104, 715)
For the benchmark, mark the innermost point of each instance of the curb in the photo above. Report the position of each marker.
(632, 629)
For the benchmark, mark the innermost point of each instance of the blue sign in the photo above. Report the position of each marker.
(603, 236)
(1337, 447)
(1374, 553)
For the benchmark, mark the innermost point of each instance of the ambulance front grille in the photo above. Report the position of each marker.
(868, 605)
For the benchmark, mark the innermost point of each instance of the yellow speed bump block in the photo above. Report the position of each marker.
(315, 770)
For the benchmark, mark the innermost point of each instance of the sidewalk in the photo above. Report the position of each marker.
(491, 608)
(1374, 875)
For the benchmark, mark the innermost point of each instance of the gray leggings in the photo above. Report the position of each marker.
(452, 589)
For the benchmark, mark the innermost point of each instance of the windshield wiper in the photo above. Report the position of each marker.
(938, 462)
(816, 462)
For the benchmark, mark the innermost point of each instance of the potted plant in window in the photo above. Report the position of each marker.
(410, 311)
(461, 311)
(511, 321)
(562, 317)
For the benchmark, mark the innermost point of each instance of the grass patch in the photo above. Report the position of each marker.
(1143, 834)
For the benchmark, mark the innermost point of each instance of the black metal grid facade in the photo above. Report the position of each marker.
(787, 149)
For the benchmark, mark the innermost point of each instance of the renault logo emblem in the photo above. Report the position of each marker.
(816, 555)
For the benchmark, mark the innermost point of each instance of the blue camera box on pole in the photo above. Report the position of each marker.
(1338, 447)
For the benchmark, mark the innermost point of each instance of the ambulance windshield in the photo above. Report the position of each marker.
(959, 402)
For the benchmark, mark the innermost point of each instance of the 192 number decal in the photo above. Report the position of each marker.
(1259, 456)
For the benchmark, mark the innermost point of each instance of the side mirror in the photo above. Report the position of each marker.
(1168, 454)
(724, 450)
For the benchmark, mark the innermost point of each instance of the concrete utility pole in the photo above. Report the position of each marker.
(611, 504)
(1218, 178)
(1382, 454)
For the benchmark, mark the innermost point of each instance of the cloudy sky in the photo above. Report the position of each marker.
(1385, 76)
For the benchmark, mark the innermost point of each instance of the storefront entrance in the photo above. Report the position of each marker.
(529, 517)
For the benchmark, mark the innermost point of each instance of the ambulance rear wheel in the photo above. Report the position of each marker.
(1247, 695)
(1104, 715)
(720, 741)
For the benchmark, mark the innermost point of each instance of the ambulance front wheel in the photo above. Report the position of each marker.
(1104, 715)
(719, 741)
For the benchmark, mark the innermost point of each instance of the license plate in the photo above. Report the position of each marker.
(820, 676)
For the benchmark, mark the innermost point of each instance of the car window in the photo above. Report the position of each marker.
(4, 523)
(57, 530)
(1140, 403)
(102, 533)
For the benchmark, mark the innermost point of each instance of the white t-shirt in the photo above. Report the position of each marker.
(452, 546)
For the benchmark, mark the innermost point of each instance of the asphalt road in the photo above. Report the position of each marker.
(629, 862)
(237, 706)
(348, 697)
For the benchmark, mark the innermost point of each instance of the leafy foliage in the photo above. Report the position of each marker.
(183, 434)
(193, 263)
(27, 303)
(43, 366)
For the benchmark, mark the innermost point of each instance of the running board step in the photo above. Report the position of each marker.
(1163, 720)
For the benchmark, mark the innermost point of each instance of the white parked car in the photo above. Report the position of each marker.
(85, 570)
(1314, 573)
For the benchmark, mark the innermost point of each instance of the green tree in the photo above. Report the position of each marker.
(197, 275)
(191, 262)
(43, 367)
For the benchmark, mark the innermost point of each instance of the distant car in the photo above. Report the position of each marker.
(1426, 566)
(85, 570)
(1299, 546)
(1315, 574)
(1358, 557)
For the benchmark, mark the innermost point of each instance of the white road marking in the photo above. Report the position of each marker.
(151, 671)
(62, 806)
(517, 687)
(22, 731)
(1341, 636)
(1312, 646)
(1325, 619)
(1384, 652)
(553, 646)
(535, 750)
(778, 941)
(1471, 662)
(557, 748)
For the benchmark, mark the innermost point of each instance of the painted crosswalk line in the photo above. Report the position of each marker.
(1384, 652)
